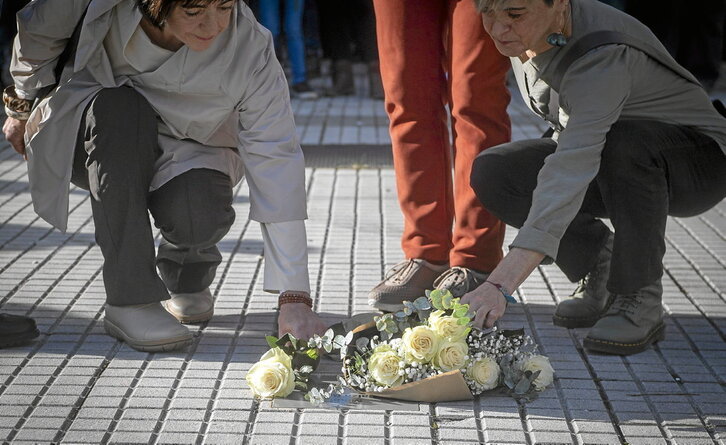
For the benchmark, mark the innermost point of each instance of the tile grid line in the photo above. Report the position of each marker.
(157, 431)
(235, 339)
(40, 343)
(17, 163)
(111, 429)
(710, 251)
(701, 416)
(34, 244)
(590, 369)
(662, 427)
(569, 421)
(10, 183)
(63, 430)
(59, 369)
(688, 295)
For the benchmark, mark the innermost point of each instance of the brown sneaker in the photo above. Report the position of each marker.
(460, 280)
(631, 324)
(406, 281)
(591, 299)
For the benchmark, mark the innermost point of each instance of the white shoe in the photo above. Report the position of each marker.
(194, 307)
(146, 327)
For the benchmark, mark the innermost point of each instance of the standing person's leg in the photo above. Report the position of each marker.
(269, 15)
(410, 43)
(296, 49)
(115, 160)
(478, 102)
(194, 212)
(294, 38)
(335, 34)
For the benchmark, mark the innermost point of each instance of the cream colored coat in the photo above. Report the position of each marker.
(233, 97)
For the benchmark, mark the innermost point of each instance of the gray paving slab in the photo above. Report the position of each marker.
(74, 384)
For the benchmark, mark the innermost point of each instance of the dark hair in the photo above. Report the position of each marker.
(485, 5)
(156, 11)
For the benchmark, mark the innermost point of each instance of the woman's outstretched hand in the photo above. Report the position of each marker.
(14, 131)
(300, 321)
(487, 302)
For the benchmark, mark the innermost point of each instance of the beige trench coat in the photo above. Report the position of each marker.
(232, 97)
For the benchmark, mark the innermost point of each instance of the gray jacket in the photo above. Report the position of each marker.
(607, 84)
(231, 100)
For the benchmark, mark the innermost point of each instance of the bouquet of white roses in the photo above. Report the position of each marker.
(428, 352)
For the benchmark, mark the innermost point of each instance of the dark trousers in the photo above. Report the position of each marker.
(648, 170)
(115, 155)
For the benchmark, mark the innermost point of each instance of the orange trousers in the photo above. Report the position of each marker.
(434, 56)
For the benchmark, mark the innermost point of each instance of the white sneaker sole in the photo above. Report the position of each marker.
(189, 319)
(165, 344)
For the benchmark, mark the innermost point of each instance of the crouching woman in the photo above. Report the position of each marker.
(164, 107)
(635, 139)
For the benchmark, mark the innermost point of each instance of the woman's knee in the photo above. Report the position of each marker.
(121, 117)
(195, 208)
(508, 172)
(487, 177)
(119, 106)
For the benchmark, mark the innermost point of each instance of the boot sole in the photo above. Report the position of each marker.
(189, 319)
(21, 338)
(617, 348)
(164, 345)
(384, 307)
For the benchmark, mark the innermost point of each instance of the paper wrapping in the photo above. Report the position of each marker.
(447, 387)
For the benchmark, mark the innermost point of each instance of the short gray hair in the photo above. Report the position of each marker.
(487, 5)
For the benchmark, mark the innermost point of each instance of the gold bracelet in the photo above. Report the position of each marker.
(294, 297)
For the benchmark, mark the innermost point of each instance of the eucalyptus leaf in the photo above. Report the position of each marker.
(523, 386)
(362, 344)
(271, 341)
(422, 304)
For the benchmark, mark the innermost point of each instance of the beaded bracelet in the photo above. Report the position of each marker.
(294, 297)
(500, 288)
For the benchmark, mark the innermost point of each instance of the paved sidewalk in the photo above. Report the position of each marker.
(77, 385)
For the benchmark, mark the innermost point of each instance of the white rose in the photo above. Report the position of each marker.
(485, 372)
(451, 355)
(448, 327)
(542, 364)
(384, 367)
(272, 376)
(420, 343)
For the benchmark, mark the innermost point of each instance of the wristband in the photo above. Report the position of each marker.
(294, 297)
(500, 288)
(16, 107)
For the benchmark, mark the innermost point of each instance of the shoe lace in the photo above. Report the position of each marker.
(626, 303)
(587, 285)
(458, 280)
(401, 269)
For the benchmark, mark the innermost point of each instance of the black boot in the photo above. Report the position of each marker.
(591, 299)
(375, 85)
(631, 324)
(15, 329)
(343, 84)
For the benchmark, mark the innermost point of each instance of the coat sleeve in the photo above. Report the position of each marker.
(269, 147)
(44, 28)
(593, 93)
